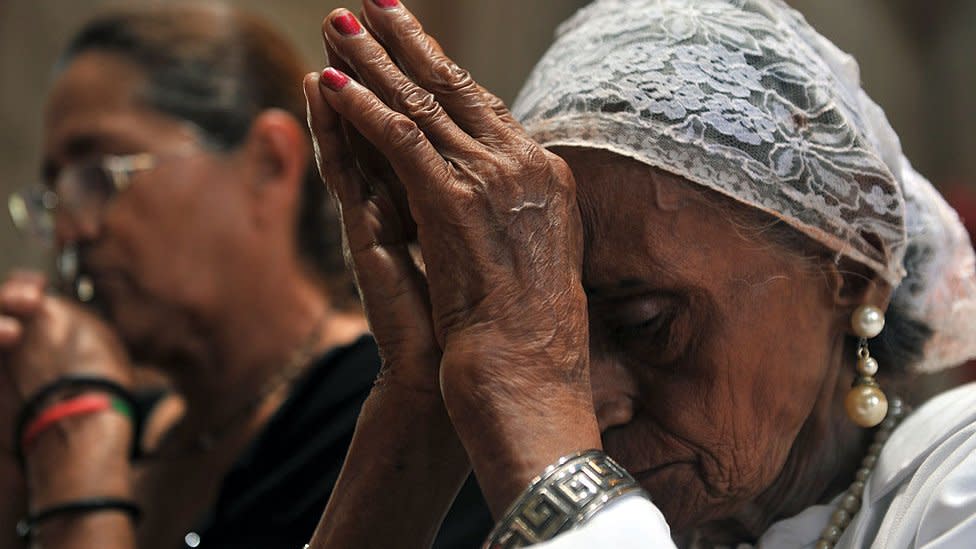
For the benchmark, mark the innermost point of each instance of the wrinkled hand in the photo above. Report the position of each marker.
(44, 337)
(403, 437)
(376, 244)
(500, 232)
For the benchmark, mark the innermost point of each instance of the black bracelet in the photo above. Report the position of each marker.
(38, 402)
(26, 527)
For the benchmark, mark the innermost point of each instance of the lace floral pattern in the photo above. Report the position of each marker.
(725, 94)
(745, 98)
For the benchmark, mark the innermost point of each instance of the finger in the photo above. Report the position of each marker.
(335, 60)
(414, 159)
(380, 178)
(344, 177)
(11, 332)
(392, 289)
(494, 102)
(22, 296)
(374, 68)
(501, 111)
(33, 277)
(338, 174)
(473, 108)
(371, 163)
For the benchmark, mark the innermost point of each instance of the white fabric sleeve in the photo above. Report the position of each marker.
(949, 518)
(630, 522)
(936, 509)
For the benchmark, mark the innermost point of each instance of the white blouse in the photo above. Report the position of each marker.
(922, 494)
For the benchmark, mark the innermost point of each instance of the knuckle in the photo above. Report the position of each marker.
(458, 200)
(50, 305)
(498, 106)
(409, 32)
(564, 175)
(418, 103)
(467, 197)
(402, 132)
(530, 156)
(447, 77)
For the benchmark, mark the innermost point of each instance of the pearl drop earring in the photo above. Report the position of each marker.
(866, 404)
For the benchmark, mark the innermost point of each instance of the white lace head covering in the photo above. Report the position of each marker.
(745, 98)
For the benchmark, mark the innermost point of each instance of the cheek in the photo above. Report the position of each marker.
(167, 242)
(725, 418)
(763, 377)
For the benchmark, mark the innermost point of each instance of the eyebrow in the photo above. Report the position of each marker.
(611, 290)
(77, 146)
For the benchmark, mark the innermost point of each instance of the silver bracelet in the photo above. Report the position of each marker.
(563, 497)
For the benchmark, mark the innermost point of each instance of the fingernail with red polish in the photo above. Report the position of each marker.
(386, 4)
(347, 24)
(334, 79)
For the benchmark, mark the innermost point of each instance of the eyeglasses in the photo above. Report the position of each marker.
(81, 190)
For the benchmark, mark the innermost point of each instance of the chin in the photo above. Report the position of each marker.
(130, 322)
(678, 492)
(689, 506)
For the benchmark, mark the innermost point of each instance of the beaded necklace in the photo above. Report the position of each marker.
(850, 502)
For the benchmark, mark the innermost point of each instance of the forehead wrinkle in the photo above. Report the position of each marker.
(617, 198)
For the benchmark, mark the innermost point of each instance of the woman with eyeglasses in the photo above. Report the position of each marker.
(180, 191)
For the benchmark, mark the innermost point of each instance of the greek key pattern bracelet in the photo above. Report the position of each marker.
(563, 497)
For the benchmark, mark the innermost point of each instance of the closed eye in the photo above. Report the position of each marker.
(651, 327)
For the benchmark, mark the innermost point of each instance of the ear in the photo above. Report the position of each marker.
(853, 284)
(280, 155)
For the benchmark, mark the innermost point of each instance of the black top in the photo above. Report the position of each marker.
(274, 495)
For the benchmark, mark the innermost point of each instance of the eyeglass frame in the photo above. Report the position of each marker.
(119, 170)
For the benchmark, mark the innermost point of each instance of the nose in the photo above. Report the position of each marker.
(74, 226)
(615, 390)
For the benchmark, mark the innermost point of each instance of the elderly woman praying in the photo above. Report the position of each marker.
(671, 297)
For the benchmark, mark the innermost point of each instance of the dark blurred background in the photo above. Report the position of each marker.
(917, 61)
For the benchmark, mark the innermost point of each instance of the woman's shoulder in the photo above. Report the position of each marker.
(923, 490)
(947, 418)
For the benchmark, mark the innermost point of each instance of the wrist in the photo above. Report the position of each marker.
(513, 426)
(402, 424)
(571, 491)
(411, 378)
(403, 439)
(81, 457)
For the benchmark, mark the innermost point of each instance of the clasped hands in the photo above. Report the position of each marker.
(417, 153)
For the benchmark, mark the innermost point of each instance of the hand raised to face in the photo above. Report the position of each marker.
(495, 213)
(47, 337)
(500, 233)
